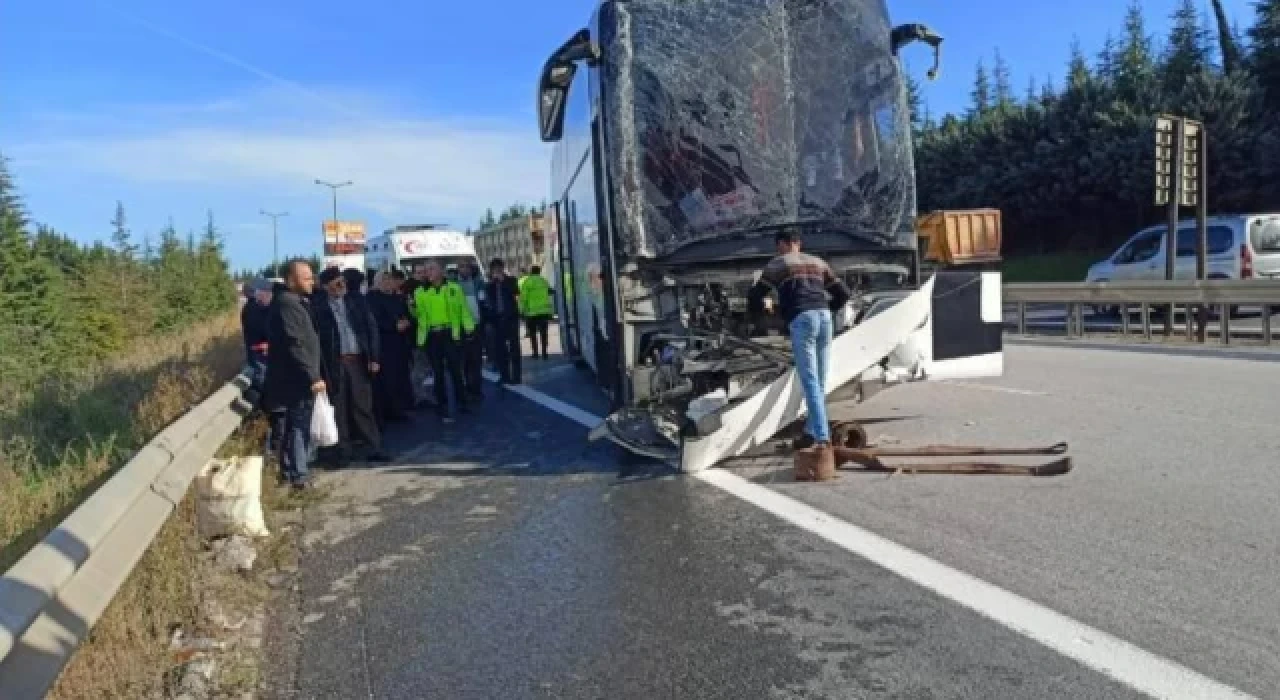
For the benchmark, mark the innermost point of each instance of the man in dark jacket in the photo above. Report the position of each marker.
(253, 325)
(393, 385)
(349, 343)
(294, 370)
(502, 313)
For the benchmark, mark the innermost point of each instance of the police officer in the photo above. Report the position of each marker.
(535, 307)
(443, 318)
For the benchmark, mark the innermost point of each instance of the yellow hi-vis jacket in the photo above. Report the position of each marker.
(442, 308)
(535, 296)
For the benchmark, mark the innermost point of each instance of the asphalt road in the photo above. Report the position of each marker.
(507, 558)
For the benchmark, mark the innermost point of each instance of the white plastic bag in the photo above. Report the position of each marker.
(229, 498)
(324, 427)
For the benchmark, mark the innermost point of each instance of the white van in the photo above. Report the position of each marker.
(1245, 246)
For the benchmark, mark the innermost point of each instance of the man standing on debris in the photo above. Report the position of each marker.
(502, 307)
(349, 343)
(808, 292)
(443, 318)
(294, 373)
(535, 306)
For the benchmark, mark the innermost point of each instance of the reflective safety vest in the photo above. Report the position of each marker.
(442, 308)
(535, 296)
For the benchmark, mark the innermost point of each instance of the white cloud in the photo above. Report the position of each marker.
(403, 166)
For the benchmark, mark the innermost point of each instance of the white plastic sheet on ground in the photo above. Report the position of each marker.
(229, 498)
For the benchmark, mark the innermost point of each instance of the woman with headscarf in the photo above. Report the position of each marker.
(393, 391)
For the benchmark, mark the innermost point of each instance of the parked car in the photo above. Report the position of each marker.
(1240, 246)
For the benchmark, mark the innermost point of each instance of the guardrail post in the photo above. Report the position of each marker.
(1080, 320)
(1124, 320)
(1186, 315)
(1146, 321)
(1266, 324)
(1022, 318)
(1224, 325)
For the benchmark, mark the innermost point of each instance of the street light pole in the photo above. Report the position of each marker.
(334, 187)
(275, 241)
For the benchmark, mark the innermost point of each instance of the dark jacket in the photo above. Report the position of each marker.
(253, 323)
(387, 309)
(293, 357)
(803, 282)
(362, 324)
(509, 290)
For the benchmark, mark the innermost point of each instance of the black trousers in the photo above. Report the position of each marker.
(473, 361)
(506, 349)
(444, 354)
(538, 334)
(353, 404)
(393, 386)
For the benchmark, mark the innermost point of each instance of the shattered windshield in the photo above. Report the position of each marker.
(728, 116)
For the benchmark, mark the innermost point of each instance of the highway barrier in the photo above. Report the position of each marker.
(51, 598)
(1225, 297)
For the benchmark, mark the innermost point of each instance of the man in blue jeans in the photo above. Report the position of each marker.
(808, 292)
(294, 371)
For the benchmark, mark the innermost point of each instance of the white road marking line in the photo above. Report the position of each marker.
(1000, 389)
(573, 413)
(1109, 655)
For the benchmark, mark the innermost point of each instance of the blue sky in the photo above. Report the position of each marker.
(176, 108)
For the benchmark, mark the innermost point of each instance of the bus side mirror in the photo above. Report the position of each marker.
(557, 76)
(905, 34)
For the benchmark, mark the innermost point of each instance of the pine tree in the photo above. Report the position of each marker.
(1004, 85)
(1265, 58)
(10, 201)
(1228, 45)
(1187, 51)
(1078, 75)
(1135, 64)
(914, 103)
(980, 97)
(120, 233)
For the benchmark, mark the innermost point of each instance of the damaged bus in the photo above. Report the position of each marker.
(686, 134)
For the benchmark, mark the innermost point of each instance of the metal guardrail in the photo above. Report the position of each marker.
(54, 595)
(1222, 295)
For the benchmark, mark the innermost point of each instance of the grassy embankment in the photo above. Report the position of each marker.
(63, 436)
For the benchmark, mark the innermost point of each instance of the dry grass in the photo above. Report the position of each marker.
(67, 436)
(126, 654)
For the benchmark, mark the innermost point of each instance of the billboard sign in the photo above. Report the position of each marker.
(343, 238)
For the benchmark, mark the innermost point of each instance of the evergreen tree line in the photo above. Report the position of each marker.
(1072, 167)
(65, 305)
